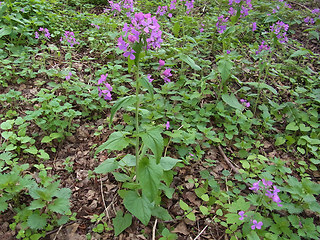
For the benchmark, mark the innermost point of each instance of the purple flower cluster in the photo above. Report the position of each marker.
(262, 47)
(189, 5)
(69, 37)
(245, 102)
(255, 223)
(116, 7)
(141, 24)
(311, 20)
(166, 74)
(270, 193)
(167, 125)
(221, 26)
(254, 26)
(280, 30)
(45, 31)
(106, 92)
(245, 7)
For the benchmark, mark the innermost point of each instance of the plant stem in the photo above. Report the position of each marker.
(137, 118)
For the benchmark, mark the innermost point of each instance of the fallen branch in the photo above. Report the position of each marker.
(236, 170)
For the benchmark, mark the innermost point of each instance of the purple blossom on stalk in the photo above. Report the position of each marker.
(47, 34)
(315, 11)
(228, 51)
(254, 26)
(106, 93)
(36, 35)
(161, 63)
(245, 102)
(167, 73)
(221, 20)
(22, 10)
(69, 76)
(173, 5)
(262, 47)
(162, 10)
(167, 125)
(256, 225)
(141, 24)
(245, 7)
(280, 30)
(189, 5)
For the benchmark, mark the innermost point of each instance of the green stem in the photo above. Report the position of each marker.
(137, 118)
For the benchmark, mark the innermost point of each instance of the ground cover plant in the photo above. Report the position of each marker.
(159, 119)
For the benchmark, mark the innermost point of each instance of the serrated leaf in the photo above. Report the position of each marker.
(129, 160)
(120, 222)
(59, 205)
(167, 163)
(149, 175)
(189, 61)
(63, 193)
(152, 139)
(232, 101)
(3, 205)
(36, 221)
(116, 141)
(37, 204)
(107, 166)
(224, 67)
(121, 103)
(140, 207)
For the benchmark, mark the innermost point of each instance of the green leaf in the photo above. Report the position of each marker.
(43, 155)
(37, 221)
(292, 126)
(37, 204)
(149, 175)
(167, 163)
(121, 103)
(304, 128)
(189, 61)
(161, 213)
(176, 29)
(146, 84)
(121, 177)
(116, 141)
(280, 141)
(224, 67)
(184, 206)
(32, 150)
(152, 139)
(120, 222)
(6, 135)
(5, 31)
(299, 53)
(7, 125)
(107, 166)
(232, 101)
(140, 207)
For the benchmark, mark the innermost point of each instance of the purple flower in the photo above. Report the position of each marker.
(41, 29)
(167, 125)
(167, 73)
(69, 76)
(22, 10)
(36, 35)
(228, 52)
(241, 213)
(315, 11)
(106, 92)
(266, 183)
(255, 186)
(254, 26)
(47, 34)
(161, 62)
(132, 38)
(170, 15)
(149, 78)
(263, 47)
(256, 225)
(130, 54)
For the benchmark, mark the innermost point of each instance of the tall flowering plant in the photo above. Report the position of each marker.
(140, 35)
